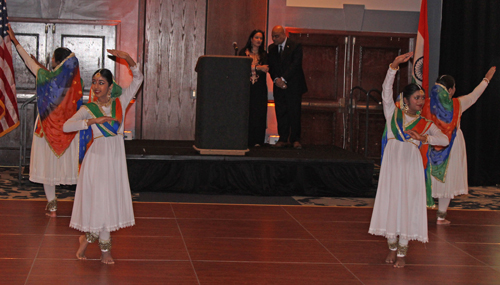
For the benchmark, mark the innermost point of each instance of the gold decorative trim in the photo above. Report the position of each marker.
(105, 245)
(91, 237)
(51, 205)
(402, 250)
(441, 215)
(393, 246)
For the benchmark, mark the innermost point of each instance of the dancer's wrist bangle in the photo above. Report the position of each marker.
(390, 65)
(426, 139)
(486, 80)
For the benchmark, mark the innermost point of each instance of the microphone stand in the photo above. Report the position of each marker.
(235, 47)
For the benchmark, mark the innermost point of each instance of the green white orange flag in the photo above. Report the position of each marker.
(421, 55)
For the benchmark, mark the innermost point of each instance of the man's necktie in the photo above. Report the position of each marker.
(279, 49)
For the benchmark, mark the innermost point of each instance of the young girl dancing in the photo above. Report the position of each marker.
(447, 169)
(54, 153)
(400, 213)
(103, 201)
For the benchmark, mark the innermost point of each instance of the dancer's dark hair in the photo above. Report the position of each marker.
(60, 54)
(446, 80)
(410, 89)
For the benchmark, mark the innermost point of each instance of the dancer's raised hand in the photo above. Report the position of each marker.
(400, 59)
(122, 54)
(490, 73)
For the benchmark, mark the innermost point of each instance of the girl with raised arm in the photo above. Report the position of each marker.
(54, 153)
(103, 201)
(400, 212)
(447, 166)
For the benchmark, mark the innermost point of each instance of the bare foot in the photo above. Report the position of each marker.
(400, 262)
(106, 257)
(80, 254)
(52, 214)
(391, 257)
(443, 222)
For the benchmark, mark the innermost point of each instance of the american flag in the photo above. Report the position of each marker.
(9, 115)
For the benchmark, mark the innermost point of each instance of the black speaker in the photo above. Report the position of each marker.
(222, 100)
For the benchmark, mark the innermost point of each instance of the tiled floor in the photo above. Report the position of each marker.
(180, 243)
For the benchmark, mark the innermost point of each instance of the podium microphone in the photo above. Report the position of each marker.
(235, 47)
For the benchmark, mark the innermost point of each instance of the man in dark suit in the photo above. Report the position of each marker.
(285, 68)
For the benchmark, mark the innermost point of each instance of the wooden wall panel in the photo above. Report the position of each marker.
(174, 39)
(325, 57)
(231, 21)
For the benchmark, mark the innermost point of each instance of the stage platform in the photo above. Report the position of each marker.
(320, 171)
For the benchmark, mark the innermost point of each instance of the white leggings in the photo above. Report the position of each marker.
(50, 191)
(104, 235)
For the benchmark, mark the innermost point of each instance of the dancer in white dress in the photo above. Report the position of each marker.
(448, 165)
(400, 213)
(103, 201)
(54, 154)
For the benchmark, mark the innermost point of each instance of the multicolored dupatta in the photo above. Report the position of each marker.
(107, 129)
(445, 113)
(59, 96)
(398, 128)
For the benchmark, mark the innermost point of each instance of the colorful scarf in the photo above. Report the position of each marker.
(398, 128)
(445, 113)
(59, 96)
(107, 129)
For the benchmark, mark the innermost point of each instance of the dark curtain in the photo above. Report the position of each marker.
(470, 45)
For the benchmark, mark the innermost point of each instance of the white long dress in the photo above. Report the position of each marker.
(45, 166)
(400, 203)
(455, 182)
(103, 201)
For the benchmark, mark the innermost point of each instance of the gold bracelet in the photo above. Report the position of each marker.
(487, 80)
(390, 65)
(426, 138)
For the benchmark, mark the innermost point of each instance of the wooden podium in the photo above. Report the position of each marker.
(222, 99)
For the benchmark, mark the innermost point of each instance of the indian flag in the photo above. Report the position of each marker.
(421, 55)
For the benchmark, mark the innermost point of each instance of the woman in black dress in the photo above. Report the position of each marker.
(257, 122)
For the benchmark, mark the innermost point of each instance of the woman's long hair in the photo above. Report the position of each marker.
(262, 50)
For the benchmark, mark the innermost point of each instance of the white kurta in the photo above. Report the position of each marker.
(456, 175)
(103, 199)
(400, 203)
(45, 166)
